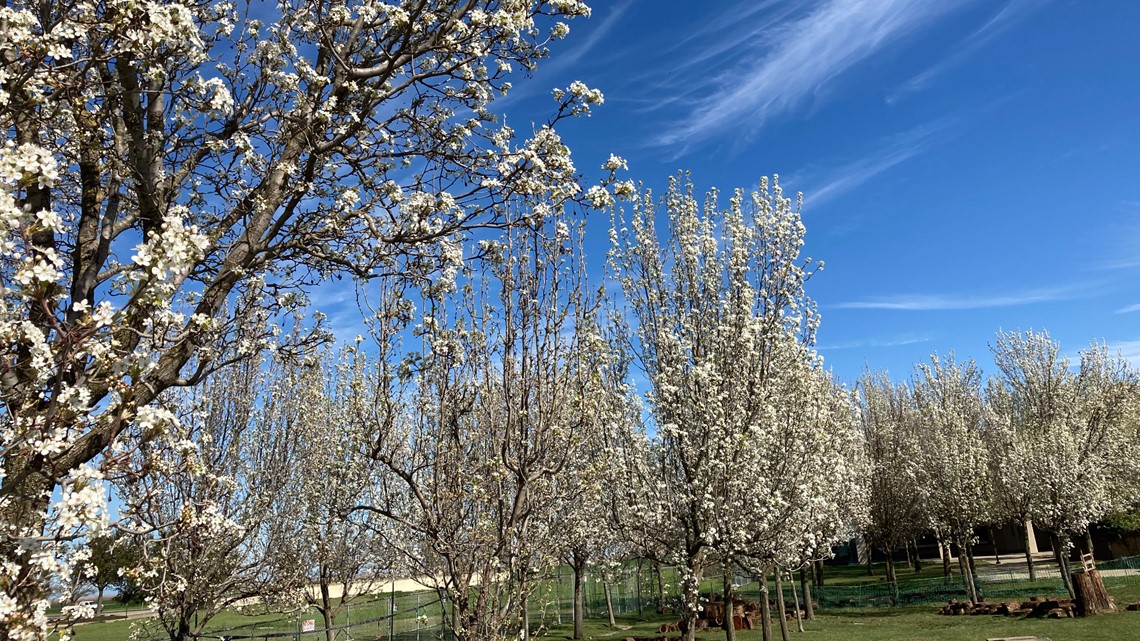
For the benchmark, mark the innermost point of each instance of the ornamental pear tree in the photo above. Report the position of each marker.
(205, 500)
(589, 523)
(796, 510)
(954, 453)
(1068, 434)
(717, 309)
(893, 442)
(164, 159)
(111, 555)
(331, 555)
(477, 429)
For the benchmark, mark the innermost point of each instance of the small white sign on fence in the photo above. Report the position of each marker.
(308, 625)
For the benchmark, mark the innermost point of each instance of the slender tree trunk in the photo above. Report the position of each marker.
(524, 614)
(870, 557)
(964, 566)
(944, 546)
(817, 569)
(637, 586)
(579, 566)
(326, 610)
(805, 587)
(1089, 542)
(782, 609)
(729, 628)
(692, 593)
(1061, 551)
(660, 588)
(27, 491)
(1028, 552)
(765, 609)
(892, 580)
(99, 600)
(916, 557)
(994, 543)
(609, 603)
(906, 552)
(970, 557)
(796, 603)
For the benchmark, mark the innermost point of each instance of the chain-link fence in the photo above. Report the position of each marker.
(641, 590)
(409, 616)
(992, 584)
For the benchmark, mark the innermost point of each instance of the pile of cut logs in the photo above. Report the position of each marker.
(745, 616)
(1053, 608)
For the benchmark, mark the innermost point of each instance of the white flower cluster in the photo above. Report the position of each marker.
(173, 249)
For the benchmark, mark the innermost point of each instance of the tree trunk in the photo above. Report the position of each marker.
(1061, 551)
(637, 587)
(970, 557)
(27, 491)
(326, 611)
(870, 557)
(915, 558)
(692, 596)
(579, 566)
(524, 614)
(1089, 542)
(609, 603)
(817, 570)
(796, 603)
(781, 608)
(1028, 550)
(99, 600)
(805, 587)
(729, 628)
(892, 580)
(1091, 596)
(660, 588)
(944, 546)
(765, 609)
(964, 566)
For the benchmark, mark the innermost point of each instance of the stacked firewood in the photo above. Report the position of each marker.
(1053, 608)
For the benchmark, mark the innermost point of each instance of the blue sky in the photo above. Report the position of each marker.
(967, 166)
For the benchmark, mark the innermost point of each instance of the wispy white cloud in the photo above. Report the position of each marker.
(894, 341)
(1119, 240)
(1129, 309)
(569, 56)
(894, 151)
(587, 45)
(1127, 349)
(1008, 16)
(803, 57)
(945, 302)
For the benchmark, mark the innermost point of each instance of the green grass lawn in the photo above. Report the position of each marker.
(409, 605)
(899, 624)
(912, 623)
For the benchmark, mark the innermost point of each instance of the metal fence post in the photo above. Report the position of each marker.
(392, 611)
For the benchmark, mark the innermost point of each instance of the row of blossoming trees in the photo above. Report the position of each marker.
(177, 177)
(1042, 442)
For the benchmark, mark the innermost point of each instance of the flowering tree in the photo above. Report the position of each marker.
(204, 501)
(894, 450)
(590, 534)
(719, 308)
(331, 554)
(1064, 436)
(162, 160)
(479, 451)
(795, 511)
(954, 453)
(110, 556)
